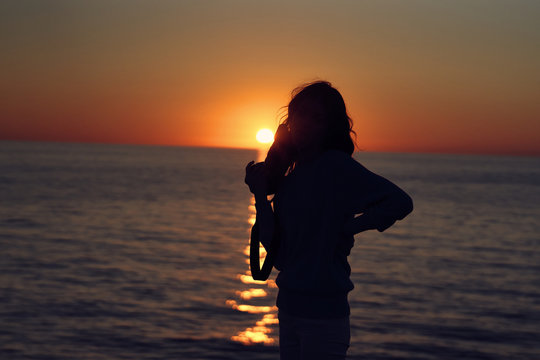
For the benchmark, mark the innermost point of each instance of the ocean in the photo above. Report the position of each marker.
(140, 252)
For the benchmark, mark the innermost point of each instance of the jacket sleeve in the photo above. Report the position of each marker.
(379, 200)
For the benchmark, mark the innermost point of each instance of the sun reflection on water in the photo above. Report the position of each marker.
(259, 333)
(262, 331)
(252, 309)
(251, 293)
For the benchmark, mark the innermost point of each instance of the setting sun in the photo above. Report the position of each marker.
(265, 136)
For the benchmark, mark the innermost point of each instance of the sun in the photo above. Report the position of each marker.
(265, 136)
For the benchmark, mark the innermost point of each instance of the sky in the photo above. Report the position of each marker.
(417, 76)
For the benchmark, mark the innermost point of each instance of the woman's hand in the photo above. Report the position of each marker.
(366, 222)
(256, 178)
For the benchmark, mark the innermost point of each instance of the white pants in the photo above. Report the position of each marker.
(313, 339)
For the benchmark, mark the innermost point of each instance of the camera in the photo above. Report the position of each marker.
(280, 157)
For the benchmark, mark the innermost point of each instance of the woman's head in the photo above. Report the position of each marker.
(317, 118)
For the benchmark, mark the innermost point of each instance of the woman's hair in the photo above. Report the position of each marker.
(320, 102)
(312, 104)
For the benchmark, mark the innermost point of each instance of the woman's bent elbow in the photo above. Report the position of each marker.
(404, 208)
(407, 206)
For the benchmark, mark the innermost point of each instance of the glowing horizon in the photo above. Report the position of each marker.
(416, 77)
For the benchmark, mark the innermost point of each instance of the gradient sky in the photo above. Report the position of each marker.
(429, 76)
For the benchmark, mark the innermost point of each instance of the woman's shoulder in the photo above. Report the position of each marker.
(336, 155)
(340, 159)
(344, 165)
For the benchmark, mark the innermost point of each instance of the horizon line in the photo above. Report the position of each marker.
(356, 151)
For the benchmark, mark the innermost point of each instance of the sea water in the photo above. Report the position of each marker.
(140, 252)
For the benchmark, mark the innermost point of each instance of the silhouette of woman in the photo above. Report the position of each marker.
(322, 198)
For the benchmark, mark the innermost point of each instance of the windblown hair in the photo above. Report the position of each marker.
(312, 104)
(320, 102)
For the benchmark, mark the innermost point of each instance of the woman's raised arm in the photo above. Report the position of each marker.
(379, 201)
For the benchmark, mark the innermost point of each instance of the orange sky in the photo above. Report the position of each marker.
(427, 76)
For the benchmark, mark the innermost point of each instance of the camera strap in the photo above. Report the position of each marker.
(258, 272)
